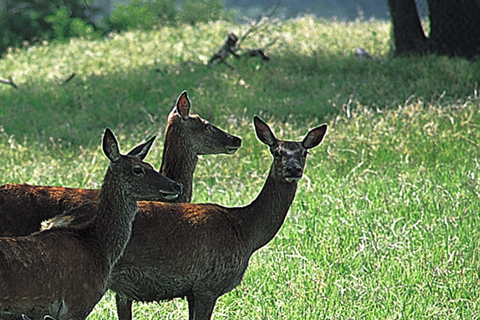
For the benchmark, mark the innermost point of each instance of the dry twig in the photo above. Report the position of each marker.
(233, 43)
(9, 81)
(69, 78)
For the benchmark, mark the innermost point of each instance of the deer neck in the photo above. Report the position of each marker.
(264, 216)
(115, 216)
(178, 164)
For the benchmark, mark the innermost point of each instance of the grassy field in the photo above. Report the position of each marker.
(385, 224)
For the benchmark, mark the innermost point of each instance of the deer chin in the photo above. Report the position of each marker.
(231, 150)
(169, 196)
(292, 179)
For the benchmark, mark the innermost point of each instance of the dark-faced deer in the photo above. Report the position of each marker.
(63, 271)
(201, 251)
(23, 207)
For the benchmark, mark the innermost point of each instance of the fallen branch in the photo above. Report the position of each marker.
(227, 49)
(69, 78)
(232, 45)
(230, 48)
(9, 81)
(257, 53)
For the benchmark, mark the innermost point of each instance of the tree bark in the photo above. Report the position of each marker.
(455, 27)
(407, 28)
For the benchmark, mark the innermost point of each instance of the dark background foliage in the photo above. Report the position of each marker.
(341, 9)
(27, 21)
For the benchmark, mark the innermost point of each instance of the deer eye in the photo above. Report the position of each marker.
(137, 170)
(275, 153)
(208, 126)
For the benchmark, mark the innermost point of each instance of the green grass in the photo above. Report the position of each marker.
(385, 223)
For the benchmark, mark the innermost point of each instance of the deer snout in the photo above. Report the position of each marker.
(236, 141)
(234, 144)
(177, 190)
(293, 172)
(178, 187)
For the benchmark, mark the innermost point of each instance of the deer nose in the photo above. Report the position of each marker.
(236, 140)
(294, 169)
(178, 187)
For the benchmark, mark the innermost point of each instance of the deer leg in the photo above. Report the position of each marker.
(124, 308)
(200, 307)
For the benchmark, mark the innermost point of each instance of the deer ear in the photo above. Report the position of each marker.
(141, 150)
(110, 146)
(314, 137)
(183, 105)
(264, 133)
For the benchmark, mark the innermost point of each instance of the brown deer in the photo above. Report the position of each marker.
(63, 271)
(23, 207)
(186, 137)
(201, 251)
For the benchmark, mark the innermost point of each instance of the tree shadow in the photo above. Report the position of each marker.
(289, 88)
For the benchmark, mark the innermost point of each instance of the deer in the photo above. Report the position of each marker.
(188, 136)
(23, 207)
(201, 251)
(62, 271)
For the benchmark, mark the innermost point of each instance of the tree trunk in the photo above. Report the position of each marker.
(407, 28)
(455, 27)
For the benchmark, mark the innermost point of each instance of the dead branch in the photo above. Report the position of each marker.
(9, 81)
(260, 22)
(70, 77)
(257, 53)
(227, 49)
(233, 43)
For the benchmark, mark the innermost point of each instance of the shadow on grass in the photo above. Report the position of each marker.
(291, 88)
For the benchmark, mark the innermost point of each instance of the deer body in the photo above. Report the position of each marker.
(198, 251)
(33, 285)
(201, 251)
(23, 207)
(63, 271)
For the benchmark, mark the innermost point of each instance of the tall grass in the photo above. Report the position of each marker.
(385, 223)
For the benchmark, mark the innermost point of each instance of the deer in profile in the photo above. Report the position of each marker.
(186, 137)
(62, 272)
(23, 207)
(201, 251)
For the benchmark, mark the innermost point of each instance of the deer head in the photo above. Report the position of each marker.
(289, 157)
(203, 138)
(144, 182)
